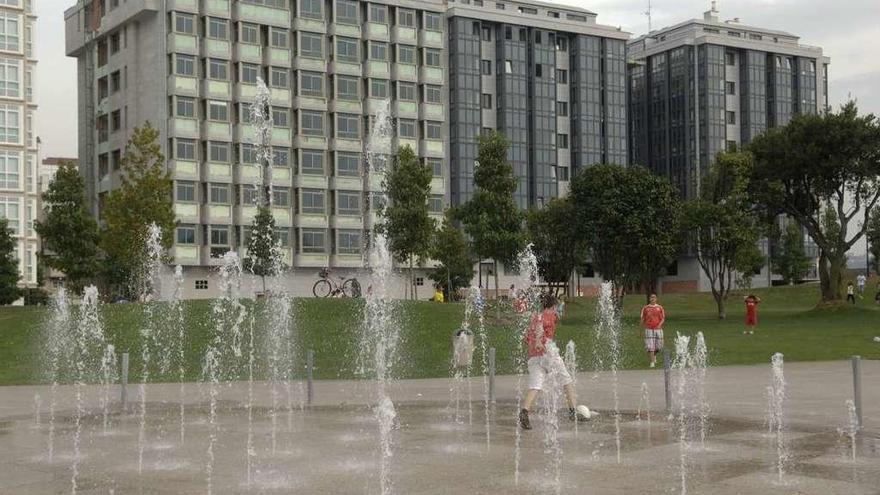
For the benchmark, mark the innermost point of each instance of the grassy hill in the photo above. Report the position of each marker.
(788, 323)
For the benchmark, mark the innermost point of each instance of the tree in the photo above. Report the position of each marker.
(790, 261)
(555, 240)
(9, 291)
(69, 233)
(724, 230)
(830, 159)
(629, 219)
(873, 233)
(449, 247)
(491, 218)
(263, 249)
(406, 221)
(143, 198)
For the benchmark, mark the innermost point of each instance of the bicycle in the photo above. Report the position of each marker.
(327, 287)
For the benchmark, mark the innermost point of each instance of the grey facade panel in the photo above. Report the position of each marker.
(464, 107)
(615, 102)
(542, 118)
(586, 101)
(512, 95)
(753, 94)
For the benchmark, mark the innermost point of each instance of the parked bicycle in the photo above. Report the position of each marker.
(328, 287)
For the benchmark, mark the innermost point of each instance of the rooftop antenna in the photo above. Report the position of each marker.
(648, 13)
(714, 9)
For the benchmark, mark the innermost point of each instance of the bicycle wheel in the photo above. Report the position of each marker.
(351, 288)
(322, 288)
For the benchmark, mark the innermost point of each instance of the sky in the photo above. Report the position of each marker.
(847, 30)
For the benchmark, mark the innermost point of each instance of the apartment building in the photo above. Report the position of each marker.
(706, 85)
(190, 68)
(18, 144)
(548, 77)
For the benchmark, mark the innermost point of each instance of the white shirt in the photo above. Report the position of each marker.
(860, 279)
(849, 290)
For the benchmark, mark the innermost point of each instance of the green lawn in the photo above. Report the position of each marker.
(788, 323)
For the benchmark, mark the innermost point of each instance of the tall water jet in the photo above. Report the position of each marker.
(645, 405)
(700, 359)
(149, 289)
(572, 367)
(279, 344)
(777, 383)
(59, 345)
(550, 399)
(478, 308)
(852, 426)
(528, 294)
(681, 364)
(607, 338)
(224, 348)
(178, 322)
(108, 377)
(380, 331)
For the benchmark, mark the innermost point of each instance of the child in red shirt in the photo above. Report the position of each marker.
(752, 302)
(544, 360)
(653, 317)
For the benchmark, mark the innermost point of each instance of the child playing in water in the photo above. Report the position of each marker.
(752, 302)
(544, 360)
(653, 317)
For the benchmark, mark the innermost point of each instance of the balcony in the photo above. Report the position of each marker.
(301, 23)
(310, 181)
(374, 181)
(279, 57)
(311, 142)
(433, 39)
(404, 35)
(376, 31)
(346, 221)
(432, 111)
(182, 43)
(310, 103)
(343, 106)
(244, 214)
(217, 172)
(217, 214)
(217, 8)
(438, 185)
(217, 131)
(247, 173)
(280, 97)
(347, 183)
(183, 169)
(245, 92)
(309, 260)
(281, 215)
(212, 255)
(216, 49)
(183, 128)
(405, 72)
(340, 144)
(377, 69)
(186, 255)
(216, 90)
(411, 142)
(311, 64)
(187, 212)
(347, 261)
(244, 133)
(183, 6)
(431, 75)
(259, 14)
(431, 148)
(345, 68)
(347, 30)
(183, 85)
(280, 137)
(311, 220)
(281, 176)
(406, 109)
(244, 52)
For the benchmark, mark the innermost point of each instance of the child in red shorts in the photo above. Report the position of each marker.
(752, 302)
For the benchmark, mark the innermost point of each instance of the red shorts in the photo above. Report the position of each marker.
(751, 320)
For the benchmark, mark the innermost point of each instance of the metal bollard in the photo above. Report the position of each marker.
(666, 364)
(857, 388)
(123, 382)
(492, 374)
(310, 385)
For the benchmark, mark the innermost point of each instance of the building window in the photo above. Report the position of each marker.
(185, 65)
(406, 18)
(247, 194)
(731, 145)
(201, 285)
(220, 236)
(248, 155)
(249, 73)
(435, 204)
(185, 107)
(378, 88)
(406, 54)
(280, 117)
(347, 126)
(218, 69)
(731, 117)
(433, 130)
(486, 101)
(311, 84)
(219, 194)
(432, 57)
(184, 23)
(311, 123)
(186, 191)
(348, 242)
(730, 87)
(10, 210)
(311, 45)
(508, 67)
(347, 12)
(312, 201)
(278, 78)
(436, 165)
(348, 164)
(185, 149)
(218, 28)
(218, 152)
(10, 77)
(283, 236)
(730, 58)
(406, 91)
(313, 241)
(378, 13)
(280, 196)
(218, 111)
(348, 202)
(406, 128)
(562, 108)
(10, 174)
(378, 51)
(561, 76)
(312, 163)
(280, 157)
(420, 281)
(347, 88)
(433, 22)
(186, 235)
(562, 141)
(250, 33)
(486, 33)
(278, 38)
(486, 67)
(433, 94)
(347, 49)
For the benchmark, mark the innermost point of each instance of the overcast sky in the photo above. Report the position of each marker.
(847, 30)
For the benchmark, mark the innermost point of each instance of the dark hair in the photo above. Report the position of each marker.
(548, 300)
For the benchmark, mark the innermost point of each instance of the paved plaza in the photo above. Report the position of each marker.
(331, 446)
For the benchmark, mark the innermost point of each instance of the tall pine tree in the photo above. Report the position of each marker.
(456, 268)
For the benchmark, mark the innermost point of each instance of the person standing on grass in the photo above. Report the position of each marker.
(850, 293)
(752, 302)
(653, 317)
(860, 281)
(544, 361)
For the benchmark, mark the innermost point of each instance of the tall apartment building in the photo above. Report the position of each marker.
(18, 144)
(702, 86)
(548, 77)
(52, 278)
(190, 68)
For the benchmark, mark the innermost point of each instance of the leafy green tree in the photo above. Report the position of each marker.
(9, 291)
(790, 260)
(143, 198)
(69, 233)
(724, 230)
(263, 249)
(873, 233)
(830, 159)
(450, 248)
(629, 219)
(556, 241)
(405, 219)
(491, 218)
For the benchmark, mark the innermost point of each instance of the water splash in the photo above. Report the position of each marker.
(852, 427)
(550, 400)
(478, 305)
(261, 120)
(682, 363)
(778, 412)
(700, 362)
(59, 346)
(645, 405)
(149, 291)
(572, 367)
(607, 338)
(528, 295)
(178, 322)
